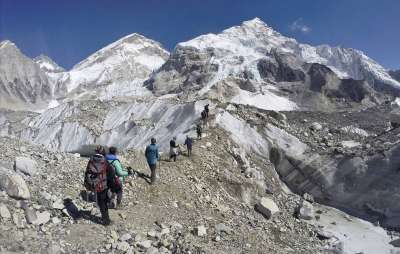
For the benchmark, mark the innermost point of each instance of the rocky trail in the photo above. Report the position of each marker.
(201, 204)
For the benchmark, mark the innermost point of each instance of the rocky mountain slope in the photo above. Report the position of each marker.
(23, 84)
(202, 204)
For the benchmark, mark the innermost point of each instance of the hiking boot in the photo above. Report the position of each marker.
(106, 222)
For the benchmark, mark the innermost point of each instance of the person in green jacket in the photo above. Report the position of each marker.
(119, 171)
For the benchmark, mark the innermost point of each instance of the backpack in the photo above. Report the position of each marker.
(96, 175)
(114, 183)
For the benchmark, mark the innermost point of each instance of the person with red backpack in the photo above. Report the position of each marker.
(98, 176)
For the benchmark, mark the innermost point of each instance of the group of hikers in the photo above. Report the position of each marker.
(105, 174)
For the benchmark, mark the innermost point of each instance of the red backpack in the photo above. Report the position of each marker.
(96, 174)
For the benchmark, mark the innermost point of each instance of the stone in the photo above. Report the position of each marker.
(18, 221)
(25, 165)
(4, 212)
(267, 207)
(308, 197)
(305, 211)
(208, 144)
(222, 228)
(152, 250)
(200, 230)
(123, 246)
(125, 237)
(56, 220)
(30, 215)
(145, 244)
(15, 186)
(316, 126)
(165, 231)
(350, 144)
(324, 235)
(37, 218)
(58, 204)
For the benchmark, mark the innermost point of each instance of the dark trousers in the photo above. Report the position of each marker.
(153, 172)
(102, 200)
(119, 196)
(189, 150)
(172, 156)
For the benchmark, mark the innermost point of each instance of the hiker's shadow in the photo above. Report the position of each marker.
(142, 175)
(75, 213)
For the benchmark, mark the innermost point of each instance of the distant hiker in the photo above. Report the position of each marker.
(152, 157)
(189, 143)
(97, 176)
(204, 117)
(173, 149)
(199, 131)
(120, 172)
(207, 110)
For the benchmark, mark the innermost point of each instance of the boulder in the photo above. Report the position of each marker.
(145, 244)
(123, 246)
(316, 126)
(125, 237)
(36, 218)
(4, 212)
(305, 211)
(200, 230)
(15, 186)
(25, 165)
(267, 207)
(222, 228)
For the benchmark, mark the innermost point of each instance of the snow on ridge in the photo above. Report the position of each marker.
(130, 43)
(253, 35)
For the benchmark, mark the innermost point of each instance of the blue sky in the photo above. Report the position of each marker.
(70, 30)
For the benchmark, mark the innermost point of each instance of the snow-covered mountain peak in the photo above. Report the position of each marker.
(130, 44)
(9, 46)
(47, 64)
(119, 69)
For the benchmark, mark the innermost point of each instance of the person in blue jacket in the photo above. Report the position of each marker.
(152, 157)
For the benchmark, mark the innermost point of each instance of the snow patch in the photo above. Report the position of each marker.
(267, 101)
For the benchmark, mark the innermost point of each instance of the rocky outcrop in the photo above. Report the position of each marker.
(13, 184)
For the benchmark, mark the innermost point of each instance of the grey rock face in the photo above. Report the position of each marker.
(186, 69)
(23, 84)
(14, 185)
(25, 165)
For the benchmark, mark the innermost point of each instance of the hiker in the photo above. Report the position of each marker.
(207, 110)
(173, 149)
(121, 173)
(152, 157)
(98, 175)
(189, 143)
(199, 131)
(204, 118)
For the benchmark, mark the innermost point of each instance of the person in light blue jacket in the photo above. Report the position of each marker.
(152, 157)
